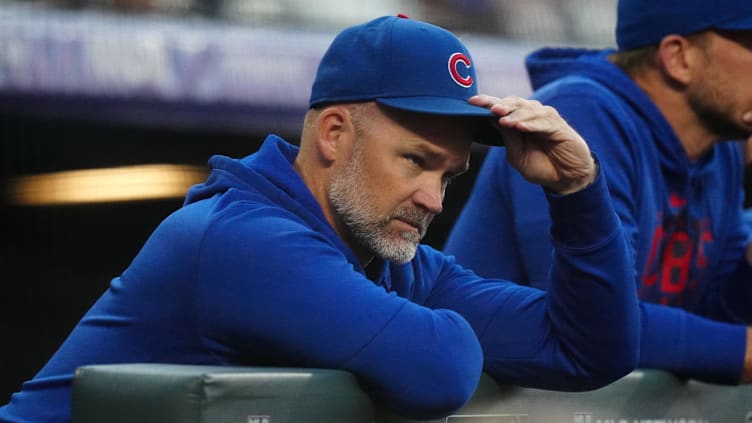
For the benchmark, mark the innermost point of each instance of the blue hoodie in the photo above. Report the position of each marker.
(684, 219)
(249, 272)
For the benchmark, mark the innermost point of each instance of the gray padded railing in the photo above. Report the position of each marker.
(163, 393)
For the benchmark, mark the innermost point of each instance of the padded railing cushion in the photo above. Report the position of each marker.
(161, 393)
(164, 393)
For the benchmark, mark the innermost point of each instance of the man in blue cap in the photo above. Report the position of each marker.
(310, 256)
(659, 112)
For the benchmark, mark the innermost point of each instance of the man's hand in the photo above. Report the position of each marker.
(540, 144)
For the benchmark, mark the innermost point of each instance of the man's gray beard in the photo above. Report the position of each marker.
(353, 204)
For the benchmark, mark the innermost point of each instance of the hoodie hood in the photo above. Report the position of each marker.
(550, 64)
(268, 172)
(266, 177)
(589, 75)
(552, 68)
(557, 65)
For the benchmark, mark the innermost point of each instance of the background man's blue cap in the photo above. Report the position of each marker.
(405, 64)
(644, 22)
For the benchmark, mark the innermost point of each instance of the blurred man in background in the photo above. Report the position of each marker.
(660, 112)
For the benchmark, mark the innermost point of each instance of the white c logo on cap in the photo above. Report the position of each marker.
(455, 59)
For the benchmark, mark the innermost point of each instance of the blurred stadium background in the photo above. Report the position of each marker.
(109, 110)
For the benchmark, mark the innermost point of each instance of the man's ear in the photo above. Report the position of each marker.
(335, 131)
(676, 57)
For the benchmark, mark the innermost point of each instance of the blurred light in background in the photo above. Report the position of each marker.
(588, 22)
(127, 183)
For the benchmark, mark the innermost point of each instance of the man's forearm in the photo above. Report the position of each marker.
(705, 349)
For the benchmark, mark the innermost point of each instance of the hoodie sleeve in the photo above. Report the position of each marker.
(584, 332)
(484, 236)
(273, 290)
(691, 346)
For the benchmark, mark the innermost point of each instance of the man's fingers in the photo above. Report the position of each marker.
(527, 118)
(515, 109)
(500, 106)
(533, 118)
(524, 115)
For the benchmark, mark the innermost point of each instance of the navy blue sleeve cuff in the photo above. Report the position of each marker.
(583, 218)
(691, 346)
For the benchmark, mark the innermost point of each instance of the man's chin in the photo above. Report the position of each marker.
(402, 259)
(401, 254)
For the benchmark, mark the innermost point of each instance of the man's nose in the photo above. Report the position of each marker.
(430, 196)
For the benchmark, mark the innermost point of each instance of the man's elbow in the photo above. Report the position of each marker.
(445, 392)
(614, 365)
(439, 384)
(605, 377)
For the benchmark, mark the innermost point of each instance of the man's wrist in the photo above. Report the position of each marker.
(578, 184)
(583, 217)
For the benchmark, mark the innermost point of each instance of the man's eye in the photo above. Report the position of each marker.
(417, 160)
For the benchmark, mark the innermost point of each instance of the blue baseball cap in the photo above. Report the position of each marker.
(641, 23)
(405, 64)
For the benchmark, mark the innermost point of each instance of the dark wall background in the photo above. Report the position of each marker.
(56, 261)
